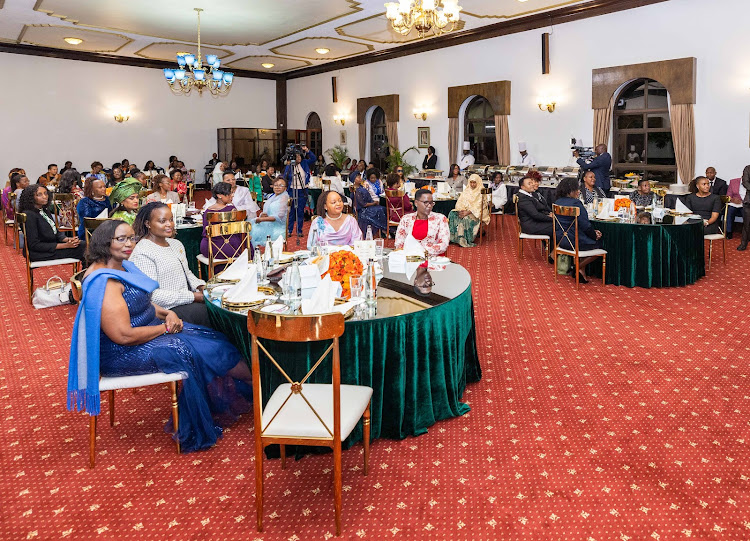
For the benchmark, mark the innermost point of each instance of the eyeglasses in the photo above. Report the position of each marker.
(399, 170)
(426, 203)
(122, 239)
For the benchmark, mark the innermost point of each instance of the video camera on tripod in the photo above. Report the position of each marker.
(291, 150)
(587, 153)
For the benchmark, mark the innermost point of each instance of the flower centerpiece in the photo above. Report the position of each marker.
(622, 202)
(341, 265)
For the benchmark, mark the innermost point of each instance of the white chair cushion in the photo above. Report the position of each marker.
(533, 237)
(296, 419)
(53, 262)
(107, 383)
(715, 236)
(583, 253)
(203, 259)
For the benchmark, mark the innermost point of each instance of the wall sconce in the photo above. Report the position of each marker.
(121, 118)
(339, 119)
(420, 113)
(547, 105)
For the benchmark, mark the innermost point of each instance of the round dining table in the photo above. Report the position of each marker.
(416, 351)
(651, 255)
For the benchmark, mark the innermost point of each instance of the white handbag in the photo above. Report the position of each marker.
(55, 292)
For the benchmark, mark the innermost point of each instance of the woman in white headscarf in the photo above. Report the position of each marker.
(218, 173)
(463, 221)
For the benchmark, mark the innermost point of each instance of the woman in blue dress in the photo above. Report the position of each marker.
(272, 221)
(369, 211)
(119, 332)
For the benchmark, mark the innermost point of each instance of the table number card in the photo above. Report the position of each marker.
(365, 250)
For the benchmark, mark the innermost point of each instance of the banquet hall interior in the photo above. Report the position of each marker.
(515, 395)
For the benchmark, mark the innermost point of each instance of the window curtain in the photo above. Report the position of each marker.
(453, 139)
(603, 123)
(683, 138)
(502, 139)
(391, 131)
(362, 141)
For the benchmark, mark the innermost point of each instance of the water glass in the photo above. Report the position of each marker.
(323, 246)
(379, 243)
(357, 286)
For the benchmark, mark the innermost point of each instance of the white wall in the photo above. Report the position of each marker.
(713, 32)
(56, 110)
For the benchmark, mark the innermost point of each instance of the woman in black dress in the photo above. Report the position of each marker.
(705, 204)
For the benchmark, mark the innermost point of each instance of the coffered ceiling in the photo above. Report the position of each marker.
(245, 33)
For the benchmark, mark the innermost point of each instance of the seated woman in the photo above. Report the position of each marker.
(266, 181)
(21, 182)
(18, 181)
(705, 204)
(222, 247)
(534, 213)
(124, 199)
(162, 258)
(119, 332)
(94, 202)
(456, 181)
(589, 190)
(44, 241)
(272, 221)
(118, 175)
(337, 185)
(369, 211)
(427, 227)
(499, 192)
(463, 221)
(643, 196)
(331, 224)
(162, 192)
(70, 182)
(395, 214)
(373, 184)
(568, 194)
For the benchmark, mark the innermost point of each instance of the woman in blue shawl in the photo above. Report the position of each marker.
(119, 332)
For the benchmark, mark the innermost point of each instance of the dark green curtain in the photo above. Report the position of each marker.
(418, 364)
(640, 255)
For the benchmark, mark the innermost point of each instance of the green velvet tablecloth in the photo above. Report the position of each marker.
(652, 255)
(418, 363)
(190, 237)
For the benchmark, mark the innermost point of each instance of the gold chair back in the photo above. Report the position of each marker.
(485, 211)
(228, 216)
(572, 212)
(220, 250)
(66, 217)
(326, 182)
(75, 285)
(396, 209)
(90, 225)
(142, 195)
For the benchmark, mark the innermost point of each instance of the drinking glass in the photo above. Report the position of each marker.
(357, 286)
(379, 243)
(323, 246)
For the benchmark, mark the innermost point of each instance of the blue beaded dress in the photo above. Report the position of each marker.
(206, 355)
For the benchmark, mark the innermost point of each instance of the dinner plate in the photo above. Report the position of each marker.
(441, 260)
(275, 309)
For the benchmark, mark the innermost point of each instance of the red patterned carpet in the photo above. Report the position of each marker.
(604, 414)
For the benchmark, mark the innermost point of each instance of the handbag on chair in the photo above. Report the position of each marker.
(55, 292)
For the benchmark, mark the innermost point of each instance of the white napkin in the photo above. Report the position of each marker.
(397, 261)
(658, 213)
(310, 275)
(322, 299)
(247, 289)
(680, 207)
(103, 215)
(238, 269)
(679, 220)
(607, 206)
(412, 246)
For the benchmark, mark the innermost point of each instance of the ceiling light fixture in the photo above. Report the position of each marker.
(322, 50)
(182, 80)
(423, 15)
(267, 65)
(73, 41)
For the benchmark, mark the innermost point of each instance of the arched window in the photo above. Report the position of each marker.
(378, 139)
(642, 132)
(314, 134)
(479, 130)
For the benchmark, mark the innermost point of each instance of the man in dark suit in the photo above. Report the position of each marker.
(600, 165)
(718, 185)
(359, 171)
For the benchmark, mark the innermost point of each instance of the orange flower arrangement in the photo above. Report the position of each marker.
(622, 202)
(342, 265)
(428, 187)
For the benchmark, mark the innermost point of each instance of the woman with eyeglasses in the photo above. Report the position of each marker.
(429, 228)
(118, 331)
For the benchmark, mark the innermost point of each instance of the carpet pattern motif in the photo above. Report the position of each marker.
(609, 413)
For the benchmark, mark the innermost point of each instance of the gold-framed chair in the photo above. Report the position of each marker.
(110, 384)
(576, 254)
(392, 209)
(223, 253)
(142, 195)
(524, 236)
(721, 235)
(16, 227)
(32, 265)
(90, 225)
(66, 217)
(217, 218)
(9, 221)
(498, 217)
(485, 211)
(300, 413)
(326, 184)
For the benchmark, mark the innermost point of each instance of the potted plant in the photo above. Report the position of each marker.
(338, 155)
(396, 159)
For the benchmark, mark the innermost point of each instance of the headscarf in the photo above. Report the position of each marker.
(124, 189)
(471, 199)
(217, 173)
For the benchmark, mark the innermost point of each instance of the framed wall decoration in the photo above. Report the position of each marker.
(342, 138)
(423, 137)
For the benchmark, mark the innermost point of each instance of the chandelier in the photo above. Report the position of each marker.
(423, 15)
(192, 73)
